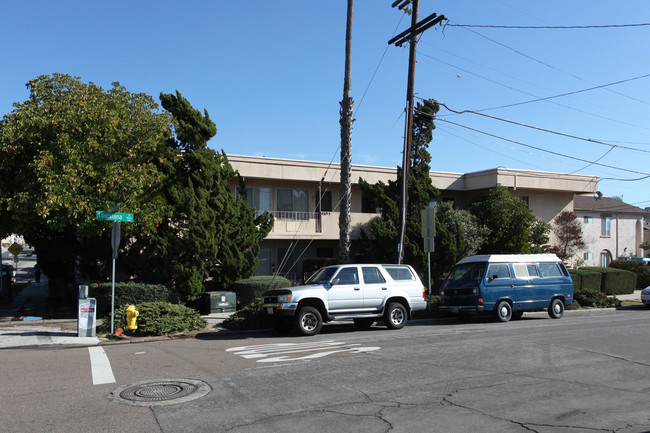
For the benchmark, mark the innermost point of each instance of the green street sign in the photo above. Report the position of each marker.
(115, 216)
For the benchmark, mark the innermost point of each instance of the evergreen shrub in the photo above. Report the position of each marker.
(249, 317)
(250, 290)
(594, 298)
(615, 281)
(641, 269)
(129, 294)
(158, 318)
(585, 279)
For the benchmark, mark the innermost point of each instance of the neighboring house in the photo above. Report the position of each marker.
(610, 229)
(308, 227)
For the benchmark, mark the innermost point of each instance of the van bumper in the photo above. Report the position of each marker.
(462, 308)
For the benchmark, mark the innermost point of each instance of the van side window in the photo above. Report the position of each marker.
(372, 276)
(549, 270)
(525, 270)
(498, 270)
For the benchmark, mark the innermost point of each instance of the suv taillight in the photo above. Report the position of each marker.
(424, 293)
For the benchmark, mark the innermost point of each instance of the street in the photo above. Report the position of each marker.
(589, 371)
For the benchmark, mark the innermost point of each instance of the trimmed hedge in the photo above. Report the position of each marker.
(129, 293)
(158, 318)
(585, 279)
(615, 281)
(594, 298)
(640, 268)
(249, 290)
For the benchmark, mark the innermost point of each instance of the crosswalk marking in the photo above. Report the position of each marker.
(283, 352)
(100, 366)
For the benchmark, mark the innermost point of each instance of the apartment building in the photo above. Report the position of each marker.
(303, 196)
(610, 229)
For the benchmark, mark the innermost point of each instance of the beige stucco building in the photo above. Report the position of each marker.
(290, 190)
(610, 229)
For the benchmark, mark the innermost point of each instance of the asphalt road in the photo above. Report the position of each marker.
(587, 372)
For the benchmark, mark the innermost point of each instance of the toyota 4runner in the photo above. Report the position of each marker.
(364, 293)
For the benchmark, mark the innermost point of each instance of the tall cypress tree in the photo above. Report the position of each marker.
(212, 236)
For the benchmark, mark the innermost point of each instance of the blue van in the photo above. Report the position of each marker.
(507, 286)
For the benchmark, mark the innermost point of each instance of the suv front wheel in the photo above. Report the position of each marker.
(395, 316)
(308, 321)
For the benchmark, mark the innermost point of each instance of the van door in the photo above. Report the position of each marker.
(498, 285)
(529, 287)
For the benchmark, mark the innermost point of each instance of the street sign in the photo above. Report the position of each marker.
(15, 249)
(115, 216)
(115, 238)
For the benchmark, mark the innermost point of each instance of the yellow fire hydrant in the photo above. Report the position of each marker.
(131, 315)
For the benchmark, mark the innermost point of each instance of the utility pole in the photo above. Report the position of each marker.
(409, 35)
(346, 112)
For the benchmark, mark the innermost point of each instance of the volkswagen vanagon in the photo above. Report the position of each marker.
(507, 286)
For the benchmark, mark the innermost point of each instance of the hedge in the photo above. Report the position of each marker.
(584, 279)
(158, 318)
(641, 269)
(129, 293)
(250, 289)
(615, 281)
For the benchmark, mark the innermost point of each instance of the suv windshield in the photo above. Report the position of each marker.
(321, 276)
(467, 271)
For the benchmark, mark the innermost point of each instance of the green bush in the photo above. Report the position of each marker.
(595, 298)
(615, 281)
(586, 279)
(250, 289)
(640, 268)
(249, 317)
(158, 318)
(128, 294)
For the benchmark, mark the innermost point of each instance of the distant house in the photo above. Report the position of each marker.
(610, 229)
(304, 197)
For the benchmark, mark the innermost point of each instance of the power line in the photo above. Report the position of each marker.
(604, 26)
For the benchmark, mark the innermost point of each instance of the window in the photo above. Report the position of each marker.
(605, 225)
(399, 273)
(347, 276)
(367, 206)
(259, 198)
(325, 204)
(325, 252)
(523, 198)
(372, 276)
(605, 258)
(498, 270)
(549, 270)
(292, 200)
(588, 220)
(524, 270)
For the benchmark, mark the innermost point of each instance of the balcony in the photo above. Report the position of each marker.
(317, 225)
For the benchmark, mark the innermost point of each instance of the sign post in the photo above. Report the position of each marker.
(429, 233)
(116, 217)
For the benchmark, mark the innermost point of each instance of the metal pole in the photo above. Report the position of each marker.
(429, 268)
(113, 300)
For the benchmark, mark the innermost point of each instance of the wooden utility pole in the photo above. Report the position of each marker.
(346, 112)
(409, 35)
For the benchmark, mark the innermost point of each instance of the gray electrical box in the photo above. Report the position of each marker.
(87, 315)
(222, 302)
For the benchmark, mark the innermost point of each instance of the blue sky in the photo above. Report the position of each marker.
(271, 76)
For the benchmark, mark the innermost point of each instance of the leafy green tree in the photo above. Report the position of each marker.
(568, 233)
(212, 237)
(379, 243)
(513, 227)
(71, 149)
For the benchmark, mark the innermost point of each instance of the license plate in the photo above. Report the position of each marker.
(453, 309)
(269, 310)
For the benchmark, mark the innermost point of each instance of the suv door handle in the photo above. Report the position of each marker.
(384, 288)
(357, 288)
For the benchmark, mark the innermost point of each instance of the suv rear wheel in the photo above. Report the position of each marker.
(395, 316)
(309, 321)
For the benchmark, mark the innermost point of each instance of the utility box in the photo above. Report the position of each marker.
(222, 302)
(87, 315)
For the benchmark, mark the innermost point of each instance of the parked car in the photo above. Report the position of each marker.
(507, 286)
(365, 293)
(645, 296)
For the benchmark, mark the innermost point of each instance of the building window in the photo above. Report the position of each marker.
(605, 225)
(259, 198)
(605, 258)
(325, 204)
(367, 206)
(325, 252)
(292, 200)
(523, 198)
(588, 220)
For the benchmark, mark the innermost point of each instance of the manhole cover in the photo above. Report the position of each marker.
(160, 392)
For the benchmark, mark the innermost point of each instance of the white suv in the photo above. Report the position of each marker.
(363, 292)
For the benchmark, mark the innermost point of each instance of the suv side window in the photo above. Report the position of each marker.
(347, 276)
(372, 276)
(400, 273)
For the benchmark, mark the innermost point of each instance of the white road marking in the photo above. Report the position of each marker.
(283, 352)
(101, 366)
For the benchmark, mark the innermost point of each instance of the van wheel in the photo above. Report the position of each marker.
(364, 323)
(556, 309)
(504, 311)
(395, 316)
(308, 321)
